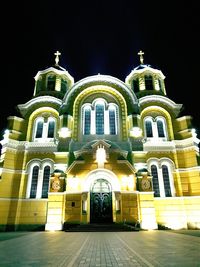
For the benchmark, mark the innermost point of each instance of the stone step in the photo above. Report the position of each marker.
(95, 227)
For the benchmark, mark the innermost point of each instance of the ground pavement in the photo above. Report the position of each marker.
(90, 249)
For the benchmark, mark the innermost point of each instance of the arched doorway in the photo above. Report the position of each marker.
(101, 202)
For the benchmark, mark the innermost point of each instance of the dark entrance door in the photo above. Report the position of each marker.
(101, 202)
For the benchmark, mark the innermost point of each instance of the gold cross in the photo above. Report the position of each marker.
(57, 54)
(141, 56)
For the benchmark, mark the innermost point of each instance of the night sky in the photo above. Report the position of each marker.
(100, 37)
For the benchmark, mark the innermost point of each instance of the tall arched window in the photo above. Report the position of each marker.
(51, 127)
(44, 129)
(112, 120)
(148, 127)
(51, 82)
(34, 181)
(165, 173)
(160, 128)
(136, 87)
(87, 120)
(45, 184)
(154, 173)
(39, 128)
(38, 179)
(99, 119)
(156, 128)
(148, 82)
(63, 85)
(162, 177)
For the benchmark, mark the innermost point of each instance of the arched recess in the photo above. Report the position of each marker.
(99, 80)
(101, 174)
(155, 111)
(159, 163)
(41, 112)
(100, 89)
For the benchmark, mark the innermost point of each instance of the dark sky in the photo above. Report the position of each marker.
(100, 37)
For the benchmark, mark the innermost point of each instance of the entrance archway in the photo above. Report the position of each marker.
(101, 202)
(111, 181)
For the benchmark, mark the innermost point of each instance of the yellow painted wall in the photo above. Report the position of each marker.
(10, 185)
(178, 213)
(22, 212)
(129, 207)
(73, 213)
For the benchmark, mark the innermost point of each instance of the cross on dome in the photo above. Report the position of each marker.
(57, 54)
(141, 56)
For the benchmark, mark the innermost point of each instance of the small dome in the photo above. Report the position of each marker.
(144, 66)
(146, 79)
(58, 67)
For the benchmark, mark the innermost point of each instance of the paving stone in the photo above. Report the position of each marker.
(83, 249)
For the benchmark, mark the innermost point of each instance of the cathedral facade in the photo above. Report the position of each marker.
(99, 150)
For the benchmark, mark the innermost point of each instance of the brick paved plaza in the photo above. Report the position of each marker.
(143, 248)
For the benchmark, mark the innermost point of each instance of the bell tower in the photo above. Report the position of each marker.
(53, 81)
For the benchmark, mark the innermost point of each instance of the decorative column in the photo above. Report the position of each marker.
(84, 207)
(56, 202)
(146, 208)
(117, 206)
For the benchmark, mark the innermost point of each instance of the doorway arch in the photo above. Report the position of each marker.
(101, 186)
(101, 202)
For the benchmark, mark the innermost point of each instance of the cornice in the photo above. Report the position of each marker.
(175, 108)
(59, 72)
(25, 146)
(24, 108)
(196, 168)
(147, 69)
(98, 82)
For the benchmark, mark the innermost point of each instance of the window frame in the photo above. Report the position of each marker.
(155, 130)
(106, 117)
(45, 129)
(162, 185)
(41, 165)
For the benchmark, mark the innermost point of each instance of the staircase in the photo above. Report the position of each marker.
(95, 227)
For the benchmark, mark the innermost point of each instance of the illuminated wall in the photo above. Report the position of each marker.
(128, 136)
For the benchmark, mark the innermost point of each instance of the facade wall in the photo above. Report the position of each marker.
(22, 214)
(178, 212)
(72, 155)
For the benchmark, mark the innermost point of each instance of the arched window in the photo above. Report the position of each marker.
(63, 85)
(39, 128)
(45, 184)
(156, 128)
(162, 177)
(38, 179)
(99, 119)
(51, 127)
(148, 82)
(136, 87)
(160, 128)
(154, 173)
(148, 127)
(44, 129)
(112, 120)
(34, 181)
(51, 82)
(87, 120)
(165, 174)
